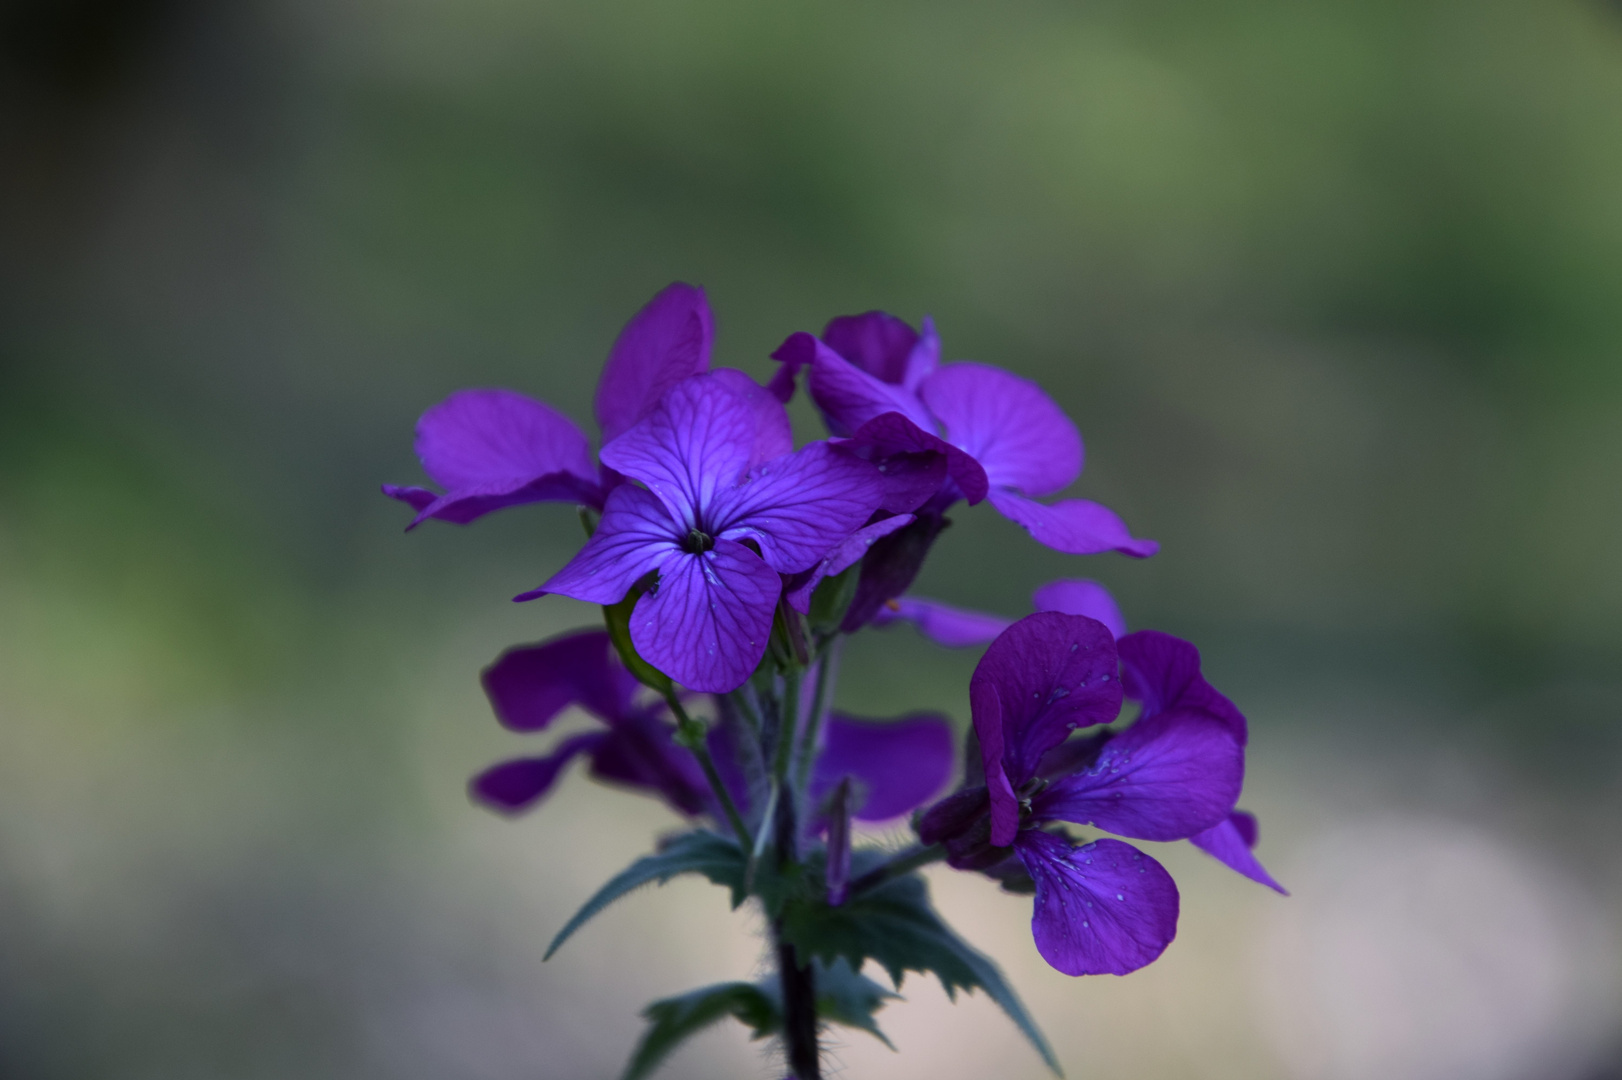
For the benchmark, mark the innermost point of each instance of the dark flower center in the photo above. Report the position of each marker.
(696, 542)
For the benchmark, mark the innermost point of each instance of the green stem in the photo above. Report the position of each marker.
(904, 863)
(819, 710)
(789, 719)
(690, 733)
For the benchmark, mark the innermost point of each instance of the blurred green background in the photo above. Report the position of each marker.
(1334, 291)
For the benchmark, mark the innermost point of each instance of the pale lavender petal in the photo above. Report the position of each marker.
(1073, 526)
(529, 685)
(1078, 596)
(487, 438)
(1166, 777)
(943, 624)
(1163, 672)
(706, 623)
(842, 558)
(846, 395)
(774, 435)
(515, 786)
(878, 343)
(897, 765)
(664, 343)
(634, 537)
(1229, 842)
(698, 440)
(1009, 424)
(640, 753)
(1104, 908)
(890, 434)
(799, 507)
(1043, 678)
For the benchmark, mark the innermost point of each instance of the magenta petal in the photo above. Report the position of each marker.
(1229, 842)
(891, 433)
(1163, 672)
(843, 557)
(1104, 908)
(707, 622)
(846, 395)
(1043, 678)
(774, 435)
(634, 537)
(943, 624)
(1073, 526)
(529, 685)
(487, 439)
(878, 343)
(895, 765)
(1164, 778)
(664, 343)
(698, 440)
(1078, 596)
(514, 786)
(798, 507)
(1008, 424)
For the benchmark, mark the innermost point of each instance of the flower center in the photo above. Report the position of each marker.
(697, 542)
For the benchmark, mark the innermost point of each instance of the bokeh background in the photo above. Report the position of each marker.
(1333, 289)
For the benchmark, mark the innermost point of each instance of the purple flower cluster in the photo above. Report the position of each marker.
(731, 565)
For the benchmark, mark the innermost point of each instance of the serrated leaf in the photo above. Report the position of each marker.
(895, 925)
(673, 1020)
(698, 852)
(845, 996)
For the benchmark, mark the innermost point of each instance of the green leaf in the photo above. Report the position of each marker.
(617, 617)
(674, 1019)
(831, 599)
(697, 852)
(845, 996)
(895, 925)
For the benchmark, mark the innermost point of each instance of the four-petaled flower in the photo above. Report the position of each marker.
(729, 506)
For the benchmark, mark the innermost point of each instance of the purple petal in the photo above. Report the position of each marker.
(891, 434)
(1073, 526)
(706, 623)
(799, 507)
(1104, 908)
(878, 343)
(846, 395)
(943, 624)
(1164, 778)
(634, 537)
(897, 765)
(415, 497)
(774, 435)
(697, 441)
(1163, 672)
(514, 786)
(496, 448)
(1008, 424)
(1078, 596)
(953, 815)
(1229, 842)
(529, 685)
(842, 558)
(640, 753)
(664, 343)
(837, 873)
(889, 567)
(1043, 678)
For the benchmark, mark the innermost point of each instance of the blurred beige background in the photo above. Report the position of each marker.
(1333, 290)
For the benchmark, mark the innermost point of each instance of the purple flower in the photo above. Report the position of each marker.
(491, 449)
(881, 383)
(726, 510)
(530, 685)
(957, 627)
(1103, 906)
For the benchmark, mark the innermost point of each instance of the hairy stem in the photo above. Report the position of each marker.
(690, 733)
(826, 665)
(799, 1014)
(904, 863)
